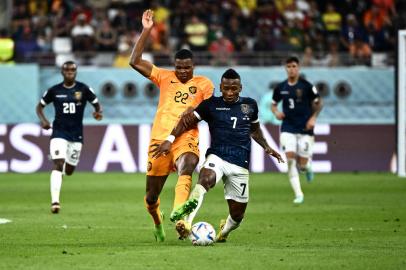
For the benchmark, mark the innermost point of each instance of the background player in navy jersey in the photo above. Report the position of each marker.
(69, 98)
(301, 104)
(232, 120)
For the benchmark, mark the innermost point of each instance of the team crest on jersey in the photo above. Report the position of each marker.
(78, 97)
(245, 108)
(299, 94)
(193, 90)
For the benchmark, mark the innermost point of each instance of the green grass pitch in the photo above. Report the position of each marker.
(348, 221)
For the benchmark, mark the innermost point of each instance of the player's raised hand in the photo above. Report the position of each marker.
(98, 115)
(161, 149)
(274, 154)
(147, 19)
(45, 124)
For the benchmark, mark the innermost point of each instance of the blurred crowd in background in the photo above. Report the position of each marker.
(224, 32)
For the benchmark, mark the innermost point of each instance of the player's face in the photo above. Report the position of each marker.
(184, 69)
(292, 69)
(230, 89)
(69, 72)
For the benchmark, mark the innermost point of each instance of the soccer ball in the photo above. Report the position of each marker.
(203, 234)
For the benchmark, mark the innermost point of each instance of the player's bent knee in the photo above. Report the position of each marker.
(151, 199)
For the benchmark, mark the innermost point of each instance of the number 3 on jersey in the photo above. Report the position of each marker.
(69, 107)
(291, 103)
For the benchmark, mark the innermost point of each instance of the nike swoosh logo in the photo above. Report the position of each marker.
(173, 82)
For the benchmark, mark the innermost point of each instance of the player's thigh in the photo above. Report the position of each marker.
(186, 147)
(73, 153)
(236, 183)
(288, 142)
(58, 148)
(305, 145)
(159, 166)
(215, 164)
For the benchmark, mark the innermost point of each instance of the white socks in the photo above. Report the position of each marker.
(294, 178)
(197, 193)
(56, 183)
(230, 226)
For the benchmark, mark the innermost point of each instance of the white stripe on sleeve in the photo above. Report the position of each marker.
(255, 121)
(95, 101)
(197, 115)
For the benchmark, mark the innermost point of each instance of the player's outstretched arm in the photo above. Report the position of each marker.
(258, 136)
(98, 112)
(187, 121)
(136, 62)
(40, 112)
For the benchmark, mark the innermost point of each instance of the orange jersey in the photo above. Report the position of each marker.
(174, 98)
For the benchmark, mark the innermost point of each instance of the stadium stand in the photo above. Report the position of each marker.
(255, 33)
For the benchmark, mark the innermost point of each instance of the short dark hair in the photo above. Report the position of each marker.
(70, 62)
(231, 74)
(184, 54)
(292, 59)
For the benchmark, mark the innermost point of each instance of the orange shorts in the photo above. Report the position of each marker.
(164, 165)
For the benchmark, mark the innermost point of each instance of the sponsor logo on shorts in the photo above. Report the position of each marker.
(57, 152)
(212, 165)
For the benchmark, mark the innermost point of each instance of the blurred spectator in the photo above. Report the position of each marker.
(388, 6)
(26, 46)
(118, 19)
(333, 57)
(196, 32)
(221, 51)
(160, 31)
(82, 34)
(106, 38)
(350, 32)
(61, 24)
(332, 22)
(375, 17)
(6, 47)
(123, 57)
(263, 41)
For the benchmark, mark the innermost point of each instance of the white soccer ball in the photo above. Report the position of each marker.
(202, 234)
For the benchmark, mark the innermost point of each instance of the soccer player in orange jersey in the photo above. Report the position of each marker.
(180, 91)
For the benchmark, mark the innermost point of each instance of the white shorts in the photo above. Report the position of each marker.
(235, 178)
(302, 144)
(62, 149)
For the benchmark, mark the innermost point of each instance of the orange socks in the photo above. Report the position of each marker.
(153, 210)
(182, 190)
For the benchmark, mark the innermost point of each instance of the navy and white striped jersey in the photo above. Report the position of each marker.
(230, 127)
(69, 104)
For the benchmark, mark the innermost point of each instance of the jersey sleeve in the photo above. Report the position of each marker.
(47, 98)
(208, 89)
(91, 96)
(156, 75)
(276, 94)
(254, 117)
(202, 112)
(314, 93)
